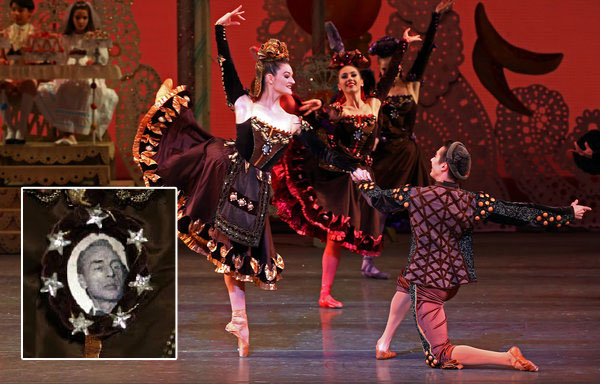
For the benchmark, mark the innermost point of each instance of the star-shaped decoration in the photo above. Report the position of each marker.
(58, 241)
(120, 318)
(137, 238)
(80, 324)
(51, 284)
(141, 283)
(96, 216)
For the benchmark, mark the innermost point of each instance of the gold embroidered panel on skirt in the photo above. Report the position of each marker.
(268, 140)
(243, 184)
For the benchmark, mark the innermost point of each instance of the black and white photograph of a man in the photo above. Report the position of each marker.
(96, 272)
(99, 273)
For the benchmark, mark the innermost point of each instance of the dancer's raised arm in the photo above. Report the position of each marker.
(387, 81)
(418, 69)
(231, 82)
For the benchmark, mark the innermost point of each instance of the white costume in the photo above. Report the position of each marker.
(66, 104)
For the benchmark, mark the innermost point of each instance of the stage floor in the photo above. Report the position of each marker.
(539, 291)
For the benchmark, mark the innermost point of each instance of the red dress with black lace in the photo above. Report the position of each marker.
(319, 200)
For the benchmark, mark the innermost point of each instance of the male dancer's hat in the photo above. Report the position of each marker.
(458, 160)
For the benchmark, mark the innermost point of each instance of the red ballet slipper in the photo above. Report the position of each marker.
(384, 355)
(326, 301)
(519, 362)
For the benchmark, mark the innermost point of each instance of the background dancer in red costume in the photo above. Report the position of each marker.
(320, 200)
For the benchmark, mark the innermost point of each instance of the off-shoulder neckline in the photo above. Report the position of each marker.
(270, 126)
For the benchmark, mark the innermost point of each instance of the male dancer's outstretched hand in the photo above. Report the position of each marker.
(579, 210)
(360, 174)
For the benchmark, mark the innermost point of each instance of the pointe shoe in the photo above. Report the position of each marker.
(326, 301)
(519, 362)
(384, 355)
(369, 270)
(239, 322)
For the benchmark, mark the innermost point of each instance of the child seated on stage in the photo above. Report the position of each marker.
(442, 218)
(15, 118)
(68, 104)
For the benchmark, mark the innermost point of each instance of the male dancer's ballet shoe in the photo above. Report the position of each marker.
(519, 362)
(384, 355)
(369, 270)
(239, 322)
(326, 301)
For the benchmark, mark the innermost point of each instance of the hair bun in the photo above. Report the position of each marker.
(273, 50)
(384, 47)
(354, 58)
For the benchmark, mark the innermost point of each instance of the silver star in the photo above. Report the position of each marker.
(57, 241)
(137, 238)
(80, 324)
(141, 283)
(96, 216)
(119, 318)
(51, 284)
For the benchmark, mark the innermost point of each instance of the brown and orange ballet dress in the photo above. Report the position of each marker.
(224, 186)
(320, 200)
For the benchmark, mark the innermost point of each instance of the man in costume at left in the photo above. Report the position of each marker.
(442, 218)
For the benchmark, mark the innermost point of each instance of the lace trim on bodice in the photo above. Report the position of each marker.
(398, 99)
(268, 140)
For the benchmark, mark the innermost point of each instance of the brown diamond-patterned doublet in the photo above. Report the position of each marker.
(442, 218)
(224, 186)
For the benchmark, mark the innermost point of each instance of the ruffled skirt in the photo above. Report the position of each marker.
(212, 220)
(325, 204)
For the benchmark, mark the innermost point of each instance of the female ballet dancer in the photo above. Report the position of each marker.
(225, 185)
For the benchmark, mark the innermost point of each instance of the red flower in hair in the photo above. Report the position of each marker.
(354, 58)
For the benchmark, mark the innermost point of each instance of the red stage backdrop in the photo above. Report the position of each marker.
(538, 25)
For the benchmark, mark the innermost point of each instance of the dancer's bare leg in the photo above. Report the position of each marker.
(331, 260)
(467, 355)
(398, 309)
(239, 321)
